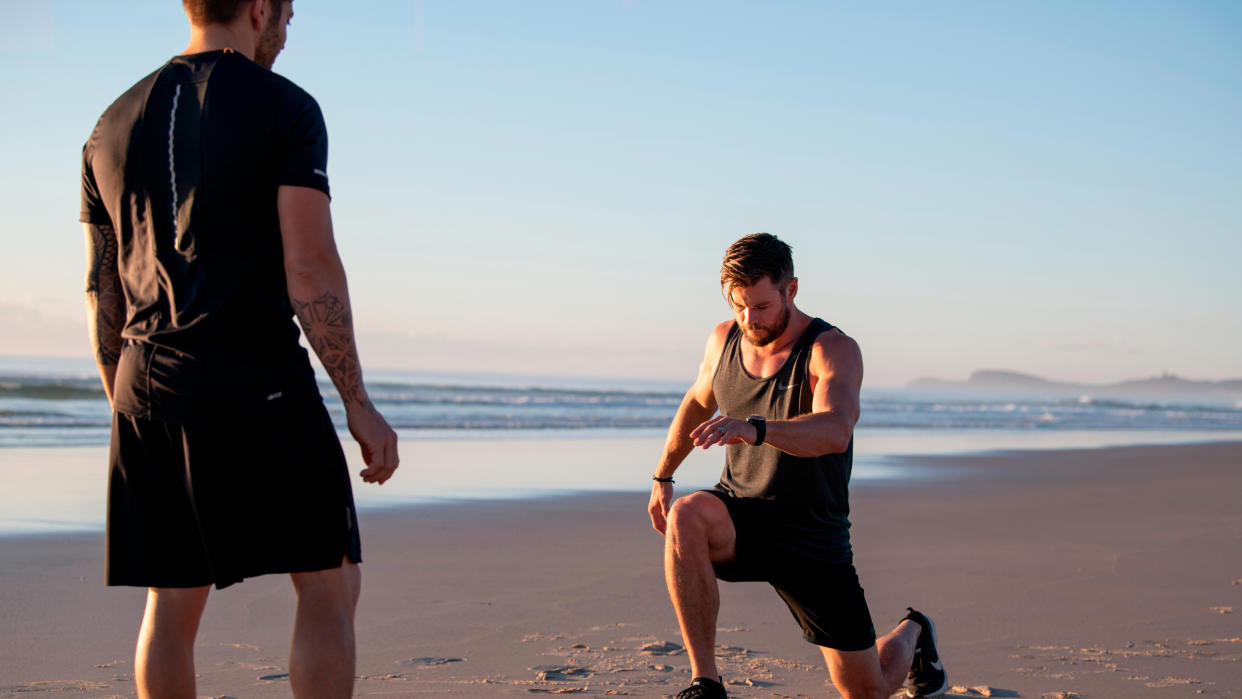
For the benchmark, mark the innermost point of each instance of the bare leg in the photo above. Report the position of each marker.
(164, 660)
(877, 672)
(699, 533)
(321, 662)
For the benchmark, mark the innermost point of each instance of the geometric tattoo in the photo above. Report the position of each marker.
(329, 328)
(105, 301)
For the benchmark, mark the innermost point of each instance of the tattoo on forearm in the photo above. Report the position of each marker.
(329, 328)
(104, 299)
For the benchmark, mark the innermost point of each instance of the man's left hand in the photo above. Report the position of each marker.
(723, 430)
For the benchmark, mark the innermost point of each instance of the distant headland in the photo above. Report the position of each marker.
(1163, 386)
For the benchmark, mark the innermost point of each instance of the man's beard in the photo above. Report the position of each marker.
(762, 335)
(269, 41)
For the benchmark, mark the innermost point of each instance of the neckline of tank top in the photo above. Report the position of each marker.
(741, 364)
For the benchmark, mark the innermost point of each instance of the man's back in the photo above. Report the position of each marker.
(185, 167)
(207, 222)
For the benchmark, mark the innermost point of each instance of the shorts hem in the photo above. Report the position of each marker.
(222, 583)
(822, 642)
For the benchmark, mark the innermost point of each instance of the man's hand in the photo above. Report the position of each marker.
(723, 430)
(661, 497)
(377, 440)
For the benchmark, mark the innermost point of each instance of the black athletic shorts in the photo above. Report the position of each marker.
(824, 596)
(230, 497)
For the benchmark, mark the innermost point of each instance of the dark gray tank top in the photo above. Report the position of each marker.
(808, 497)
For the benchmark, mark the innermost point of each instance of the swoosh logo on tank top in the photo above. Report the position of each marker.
(786, 387)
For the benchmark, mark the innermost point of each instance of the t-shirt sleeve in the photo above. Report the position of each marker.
(304, 160)
(93, 210)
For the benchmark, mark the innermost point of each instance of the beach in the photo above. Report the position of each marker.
(1096, 573)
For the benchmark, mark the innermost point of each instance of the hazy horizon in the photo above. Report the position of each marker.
(547, 188)
(379, 372)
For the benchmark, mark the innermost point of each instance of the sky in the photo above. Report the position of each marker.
(548, 187)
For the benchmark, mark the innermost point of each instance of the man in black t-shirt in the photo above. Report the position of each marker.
(787, 387)
(205, 202)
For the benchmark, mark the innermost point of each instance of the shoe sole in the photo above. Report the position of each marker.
(944, 687)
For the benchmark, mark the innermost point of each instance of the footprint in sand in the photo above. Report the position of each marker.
(662, 648)
(275, 676)
(431, 661)
(982, 690)
(560, 673)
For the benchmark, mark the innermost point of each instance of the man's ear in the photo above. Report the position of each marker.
(792, 290)
(256, 12)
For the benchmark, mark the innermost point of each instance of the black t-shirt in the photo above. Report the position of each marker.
(805, 498)
(185, 167)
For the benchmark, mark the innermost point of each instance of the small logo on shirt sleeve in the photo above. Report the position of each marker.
(321, 173)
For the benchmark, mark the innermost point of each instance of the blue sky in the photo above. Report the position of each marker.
(547, 187)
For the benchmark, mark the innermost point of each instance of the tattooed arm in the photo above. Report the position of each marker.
(105, 303)
(320, 298)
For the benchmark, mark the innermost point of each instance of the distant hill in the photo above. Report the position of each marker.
(1166, 386)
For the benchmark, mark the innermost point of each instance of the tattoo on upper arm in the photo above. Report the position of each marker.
(105, 299)
(329, 328)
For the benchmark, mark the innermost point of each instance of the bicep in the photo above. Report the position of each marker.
(305, 225)
(838, 369)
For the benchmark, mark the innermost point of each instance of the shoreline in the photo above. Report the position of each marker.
(62, 490)
(1101, 572)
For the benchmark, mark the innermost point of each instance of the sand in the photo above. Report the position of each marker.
(1094, 573)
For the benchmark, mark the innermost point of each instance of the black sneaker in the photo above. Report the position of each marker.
(703, 688)
(927, 676)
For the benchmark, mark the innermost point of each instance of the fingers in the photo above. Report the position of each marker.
(718, 430)
(659, 515)
(657, 520)
(661, 495)
(384, 468)
(380, 456)
(393, 459)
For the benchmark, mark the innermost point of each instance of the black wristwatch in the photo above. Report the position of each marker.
(761, 428)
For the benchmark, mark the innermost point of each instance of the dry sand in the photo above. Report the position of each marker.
(1094, 573)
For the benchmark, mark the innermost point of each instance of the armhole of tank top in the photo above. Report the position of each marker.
(817, 327)
(806, 397)
(726, 350)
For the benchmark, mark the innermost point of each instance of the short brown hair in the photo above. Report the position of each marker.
(204, 12)
(754, 257)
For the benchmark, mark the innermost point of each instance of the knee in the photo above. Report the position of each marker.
(335, 589)
(174, 612)
(690, 517)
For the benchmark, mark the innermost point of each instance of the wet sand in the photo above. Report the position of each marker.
(1094, 573)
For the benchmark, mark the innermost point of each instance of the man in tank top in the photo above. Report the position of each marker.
(787, 389)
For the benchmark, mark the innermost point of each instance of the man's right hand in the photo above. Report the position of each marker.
(377, 440)
(661, 498)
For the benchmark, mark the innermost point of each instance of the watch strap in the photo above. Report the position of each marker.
(761, 428)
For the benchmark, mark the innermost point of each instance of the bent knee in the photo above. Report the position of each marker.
(699, 516)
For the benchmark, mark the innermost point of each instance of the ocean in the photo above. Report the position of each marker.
(492, 435)
(47, 403)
